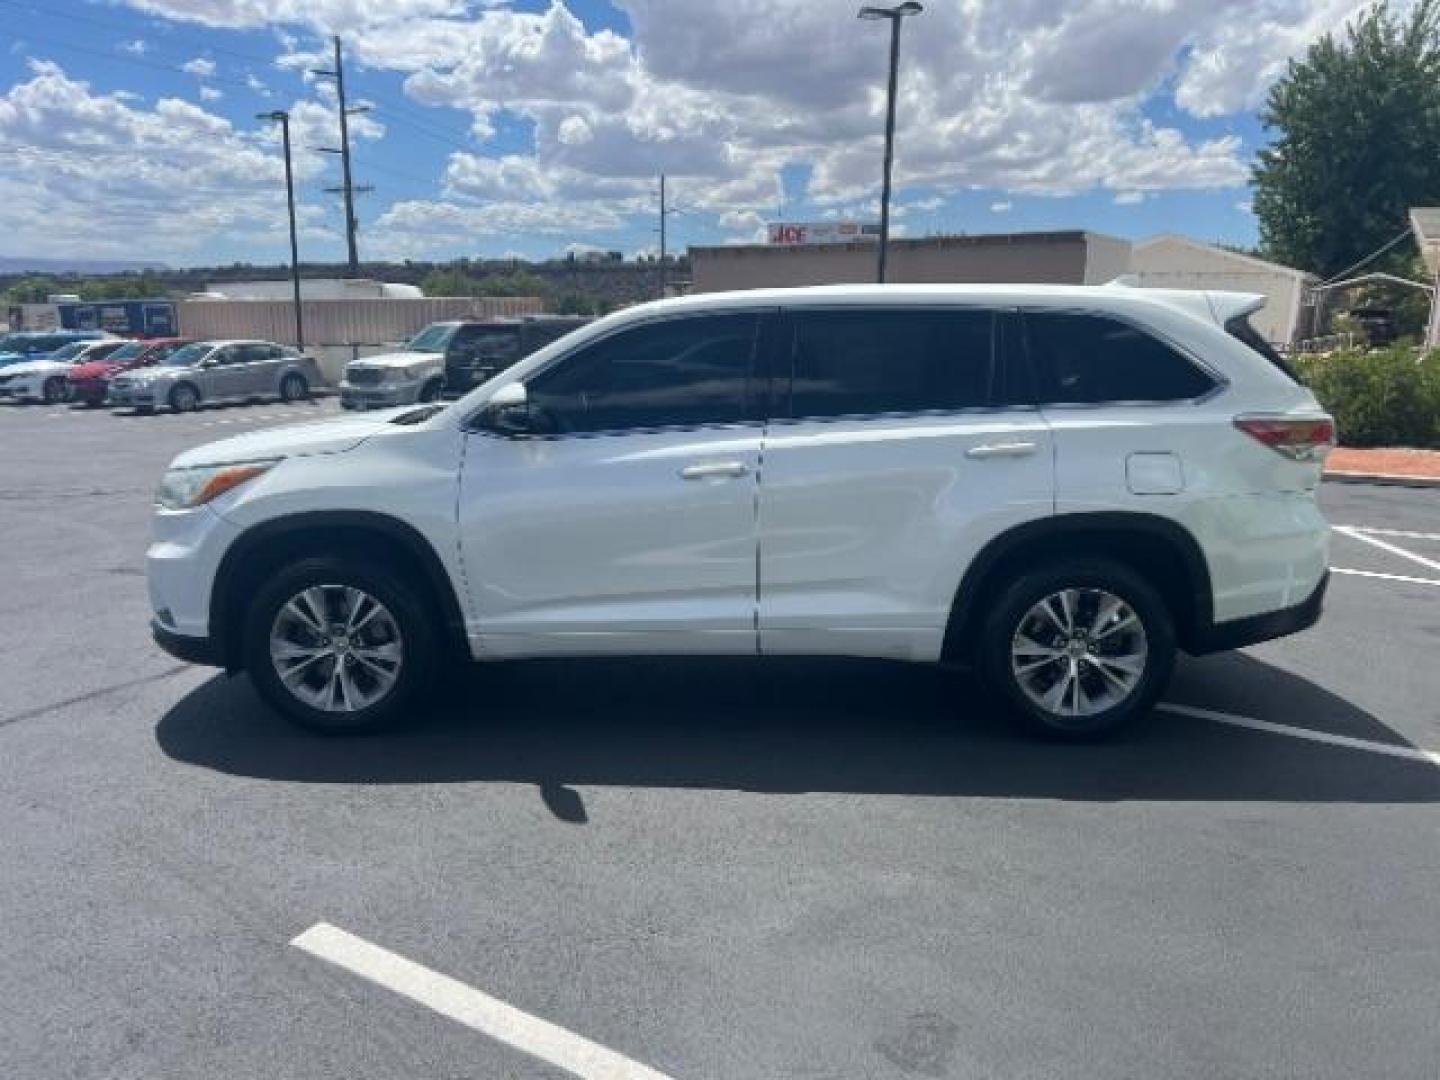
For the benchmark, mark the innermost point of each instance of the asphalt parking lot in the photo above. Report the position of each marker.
(700, 869)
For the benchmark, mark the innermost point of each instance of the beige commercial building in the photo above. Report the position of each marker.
(1177, 262)
(1040, 258)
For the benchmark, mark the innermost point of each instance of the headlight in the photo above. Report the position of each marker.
(184, 489)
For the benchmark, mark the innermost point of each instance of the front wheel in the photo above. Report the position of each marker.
(1078, 648)
(184, 398)
(340, 646)
(432, 391)
(294, 388)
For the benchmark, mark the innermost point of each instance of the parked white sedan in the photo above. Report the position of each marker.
(44, 380)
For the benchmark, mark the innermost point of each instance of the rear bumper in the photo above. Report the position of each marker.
(1257, 628)
(193, 650)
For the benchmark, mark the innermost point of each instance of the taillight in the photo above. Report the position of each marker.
(1299, 439)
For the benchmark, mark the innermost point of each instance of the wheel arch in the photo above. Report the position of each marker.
(1160, 549)
(365, 534)
(191, 383)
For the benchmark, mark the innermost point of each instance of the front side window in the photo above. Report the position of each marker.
(188, 355)
(1083, 359)
(686, 372)
(873, 362)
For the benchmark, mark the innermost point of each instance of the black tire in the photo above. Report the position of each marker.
(53, 390)
(432, 390)
(294, 388)
(407, 604)
(184, 398)
(1008, 615)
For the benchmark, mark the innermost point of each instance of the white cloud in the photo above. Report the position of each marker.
(1003, 207)
(209, 93)
(199, 66)
(97, 171)
(1129, 198)
(256, 85)
(1013, 96)
(136, 47)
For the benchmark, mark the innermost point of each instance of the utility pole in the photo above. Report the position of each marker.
(348, 188)
(283, 119)
(665, 211)
(895, 15)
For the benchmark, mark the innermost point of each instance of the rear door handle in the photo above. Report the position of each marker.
(1001, 450)
(715, 470)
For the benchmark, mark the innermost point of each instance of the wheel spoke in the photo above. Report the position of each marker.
(1110, 607)
(388, 653)
(1126, 620)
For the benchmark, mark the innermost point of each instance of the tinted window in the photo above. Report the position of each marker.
(1242, 330)
(858, 363)
(678, 372)
(1087, 359)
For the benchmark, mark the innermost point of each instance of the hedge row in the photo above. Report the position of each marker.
(1388, 397)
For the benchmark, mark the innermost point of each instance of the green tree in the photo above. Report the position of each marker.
(1357, 144)
(31, 290)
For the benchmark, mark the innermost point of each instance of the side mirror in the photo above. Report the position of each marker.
(508, 411)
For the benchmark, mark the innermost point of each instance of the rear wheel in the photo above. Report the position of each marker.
(1079, 648)
(184, 398)
(294, 388)
(340, 646)
(53, 390)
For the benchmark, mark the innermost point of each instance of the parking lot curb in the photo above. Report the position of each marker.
(1383, 479)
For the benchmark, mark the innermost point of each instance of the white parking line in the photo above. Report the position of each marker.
(466, 1005)
(1398, 534)
(1385, 545)
(1409, 752)
(1385, 577)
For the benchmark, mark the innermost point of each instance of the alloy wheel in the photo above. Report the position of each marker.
(1079, 652)
(336, 648)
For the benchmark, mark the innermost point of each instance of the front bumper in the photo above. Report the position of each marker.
(130, 395)
(181, 565)
(193, 650)
(88, 389)
(378, 397)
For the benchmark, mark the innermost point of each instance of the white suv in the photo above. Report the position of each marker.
(1058, 485)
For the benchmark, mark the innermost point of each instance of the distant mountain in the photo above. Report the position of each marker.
(21, 264)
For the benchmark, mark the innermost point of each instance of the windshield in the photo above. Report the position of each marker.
(433, 339)
(127, 352)
(69, 352)
(189, 356)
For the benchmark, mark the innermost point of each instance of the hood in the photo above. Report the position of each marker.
(38, 367)
(322, 437)
(396, 359)
(94, 369)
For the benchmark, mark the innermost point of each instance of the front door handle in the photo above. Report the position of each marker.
(715, 470)
(1001, 450)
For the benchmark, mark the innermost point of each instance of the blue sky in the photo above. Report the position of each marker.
(128, 128)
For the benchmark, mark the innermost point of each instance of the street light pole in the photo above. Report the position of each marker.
(894, 15)
(283, 118)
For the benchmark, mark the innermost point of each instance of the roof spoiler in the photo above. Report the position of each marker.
(1233, 305)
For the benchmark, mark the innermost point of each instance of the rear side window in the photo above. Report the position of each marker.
(1242, 331)
(1082, 359)
(872, 362)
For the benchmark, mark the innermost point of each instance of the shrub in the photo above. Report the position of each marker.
(1386, 397)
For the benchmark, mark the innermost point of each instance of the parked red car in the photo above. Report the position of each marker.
(91, 382)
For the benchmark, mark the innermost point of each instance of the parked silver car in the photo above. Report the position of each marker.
(212, 371)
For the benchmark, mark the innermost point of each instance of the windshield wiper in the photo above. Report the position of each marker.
(418, 416)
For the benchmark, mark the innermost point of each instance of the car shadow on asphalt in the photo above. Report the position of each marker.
(789, 726)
